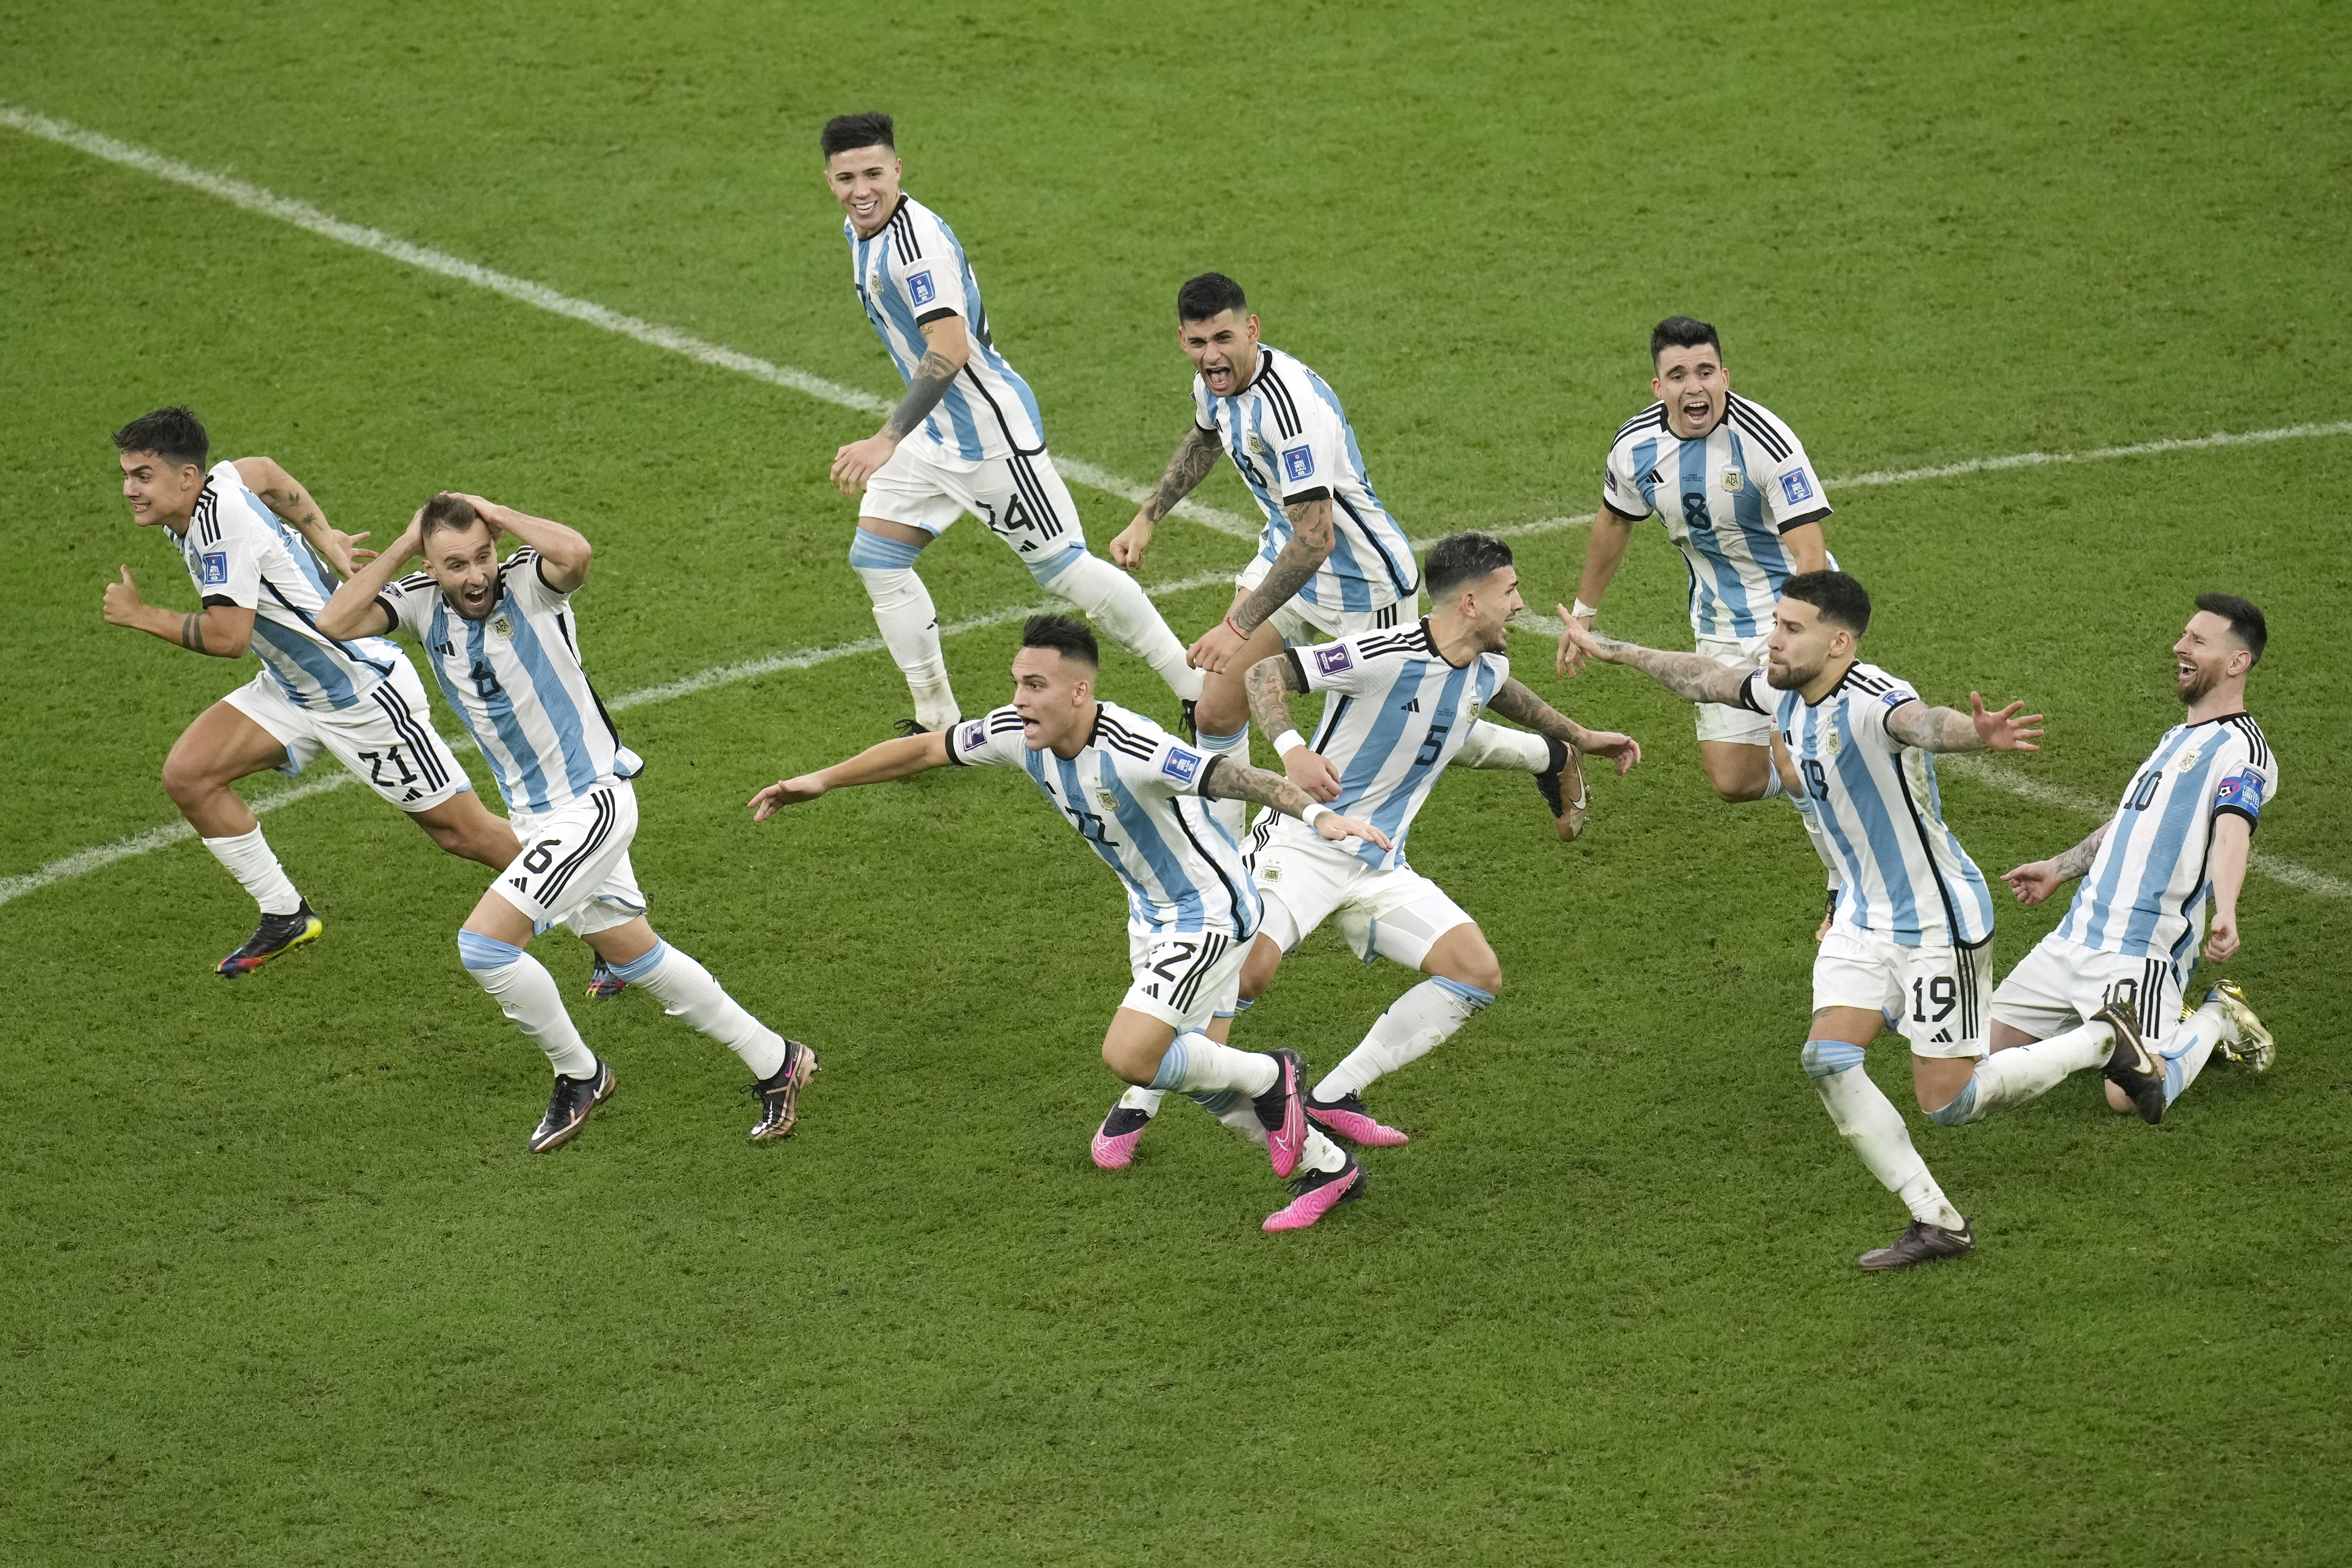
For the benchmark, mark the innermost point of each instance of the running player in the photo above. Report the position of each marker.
(503, 640)
(967, 435)
(1140, 796)
(1396, 707)
(1331, 561)
(2108, 984)
(1909, 943)
(262, 588)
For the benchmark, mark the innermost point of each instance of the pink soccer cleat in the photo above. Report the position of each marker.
(1319, 1192)
(1116, 1139)
(1281, 1110)
(1346, 1116)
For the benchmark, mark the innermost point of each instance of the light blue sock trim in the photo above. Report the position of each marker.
(1222, 742)
(1823, 1057)
(1172, 1065)
(479, 953)
(1216, 1102)
(1960, 1110)
(1243, 1003)
(1772, 785)
(875, 552)
(1470, 994)
(1044, 572)
(645, 964)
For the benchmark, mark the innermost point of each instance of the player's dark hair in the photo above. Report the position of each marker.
(844, 133)
(446, 513)
(1842, 601)
(1070, 639)
(2246, 623)
(1207, 295)
(174, 434)
(1460, 559)
(1682, 333)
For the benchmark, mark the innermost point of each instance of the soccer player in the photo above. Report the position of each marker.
(262, 589)
(967, 435)
(1913, 930)
(1331, 561)
(1140, 796)
(1397, 705)
(503, 639)
(2104, 988)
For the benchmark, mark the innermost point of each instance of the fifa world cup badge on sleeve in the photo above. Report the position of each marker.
(1297, 463)
(215, 568)
(1796, 487)
(920, 289)
(1333, 659)
(1181, 764)
(975, 735)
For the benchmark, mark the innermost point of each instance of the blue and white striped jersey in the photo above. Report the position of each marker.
(1134, 793)
(2144, 894)
(240, 553)
(1394, 712)
(515, 678)
(913, 270)
(1906, 877)
(1726, 501)
(1292, 443)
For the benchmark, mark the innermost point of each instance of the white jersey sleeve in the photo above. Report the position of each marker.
(927, 278)
(1870, 718)
(407, 601)
(1174, 768)
(226, 568)
(992, 741)
(1756, 695)
(1792, 490)
(2249, 783)
(1620, 486)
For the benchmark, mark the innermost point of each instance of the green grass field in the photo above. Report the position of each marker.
(277, 1282)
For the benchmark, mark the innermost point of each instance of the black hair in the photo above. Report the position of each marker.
(844, 133)
(1842, 601)
(1207, 295)
(1460, 559)
(1070, 639)
(446, 513)
(1682, 333)
(174, 434)
(2245, 618)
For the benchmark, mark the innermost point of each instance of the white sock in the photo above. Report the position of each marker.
(526, 992)
(1139, 1097)
(1869, 1121)
(251, 861)
(1235, 748)
(2191, 1047)
(685, 990)
(1499, 746)
(1117, 602)
(909, 625)
(2022, 1072)
(1196, 1063)
(1416, 1023)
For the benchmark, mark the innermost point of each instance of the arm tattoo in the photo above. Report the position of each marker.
(1294, 568)
(1195, 456)
(1271, 681)
(1691, 676)
(1934, 729)
(1521, 706)
(192, 631)
(1239, 781)
(929, 383)
(2077, 860)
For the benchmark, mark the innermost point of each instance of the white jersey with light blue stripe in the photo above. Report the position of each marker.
(240, 553)
(1291, 442)
(1725, 499)
(1394, 712)
(515, 678)
(2144, 894)
(912, 271)
(1134, 793)
(1906, 877)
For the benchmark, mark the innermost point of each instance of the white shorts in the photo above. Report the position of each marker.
(574, 866)
(1021, 498)
(1397, 914)
(2061, 983)
(1302, 625)
(386, 738)
(1729, 722)
(1935, 997)
(1184, 978)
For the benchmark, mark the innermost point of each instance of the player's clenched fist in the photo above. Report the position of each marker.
(1127, 549)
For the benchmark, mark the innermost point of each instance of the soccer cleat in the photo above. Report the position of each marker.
(569, 1106)
(779, 1095)
(1192, 720)
(2255, 1049)
(1282, 1111)
(1566, 816)
(1116, 1139)
(1319, 1193)
(2130, 1067)
(905, 727)
(604, 985)
(1920, 1243)
(1346, 1116)
(273, 936)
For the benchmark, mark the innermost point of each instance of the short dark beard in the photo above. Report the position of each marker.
(2197, 689)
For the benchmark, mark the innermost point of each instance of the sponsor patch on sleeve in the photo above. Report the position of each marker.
(213, 568)
(1180, 764)
(1297, 463)
(2243, 790)
(1331, 660)
(975, 736)
(1796, 486)
(1898, 696)
(920, 288)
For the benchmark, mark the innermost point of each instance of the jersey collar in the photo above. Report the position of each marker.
(181, 532)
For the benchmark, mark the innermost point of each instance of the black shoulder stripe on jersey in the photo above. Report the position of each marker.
(1123, 741)
(1277, 396)
(2243, 723)
(1003, 719)
(1867, 682)
(1756, 422)
(206, 517)
(902, 231)
(1653, 415)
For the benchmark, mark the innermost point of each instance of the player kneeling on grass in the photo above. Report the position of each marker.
(357, 698)
(1398, 707)
(1141, 797)
(501, 637)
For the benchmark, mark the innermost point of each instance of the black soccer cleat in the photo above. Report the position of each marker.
(1921, 1243)
(1192, 720)
(1115, 1140)
(274, 935)
(779, 1093)
(569, 1106)
(903, 728)
(604, 983)
(2130, 1065)
(1566, 816)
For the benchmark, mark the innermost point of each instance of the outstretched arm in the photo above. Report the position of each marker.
(1516, 702)
(1950, 730)
(900, 759)
(1229, 780)
(1196, 454)
(282, 493)
(1691, 676)
(2037, 880)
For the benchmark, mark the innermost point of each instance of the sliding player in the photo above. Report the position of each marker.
(1909, 943)
(503, 640)
(967, 435)
(1140, 796)
(1331, 561)
(2110, 978)
(1397, 706)
(358, 699)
